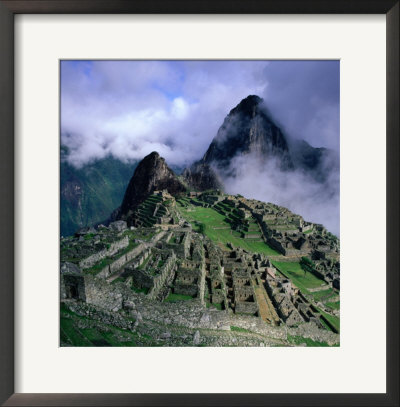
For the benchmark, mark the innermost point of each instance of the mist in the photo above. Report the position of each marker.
(128, 109)
(296, 190)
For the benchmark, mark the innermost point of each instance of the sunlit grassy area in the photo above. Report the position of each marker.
(302, 280)
(218, 229)
(333, 305)
(306, 281)
(335, 321)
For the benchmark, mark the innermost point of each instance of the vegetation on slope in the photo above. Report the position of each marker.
(90, 194)
(218, 228)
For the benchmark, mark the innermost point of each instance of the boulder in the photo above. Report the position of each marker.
(70, 268)
(118, 225)
(85, 231)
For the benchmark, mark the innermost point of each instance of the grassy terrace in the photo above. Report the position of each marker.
(108, 260)
(178, 297)
(333, 305)
(302, 280)
(217, 306)
(305, 281)
(72, 335)
(335, 321)
(146, 209)
(218, 229)
(145, 235)
(99, 266)
(323, 295)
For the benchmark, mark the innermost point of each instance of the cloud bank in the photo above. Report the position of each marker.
(296, 190)
(128, 109)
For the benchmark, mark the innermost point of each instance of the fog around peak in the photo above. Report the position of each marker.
(130, 108)
(127, 109)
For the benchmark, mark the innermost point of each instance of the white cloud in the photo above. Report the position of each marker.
(132, 108)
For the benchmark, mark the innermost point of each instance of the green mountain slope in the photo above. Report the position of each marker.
(91, 193)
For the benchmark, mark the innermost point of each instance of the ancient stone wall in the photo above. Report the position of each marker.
(96, 257)
(103, 295)
(72, 287)
(122, 260)
(165, 272)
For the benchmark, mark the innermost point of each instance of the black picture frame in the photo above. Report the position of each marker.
(8, 8)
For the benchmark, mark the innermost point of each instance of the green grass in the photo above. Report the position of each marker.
(89, 236)
(323, 295)
(102, 184)
(71, 334)
(238, 329)
(178, 297)
(302, 280)
(217, 306)
(140, 290)
(143, 265)
(211, 220)
(335, 321)
(298, 340)
(333, 305)
(99, 266)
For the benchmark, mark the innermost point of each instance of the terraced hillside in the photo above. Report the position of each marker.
(200, 270)
(223, 225)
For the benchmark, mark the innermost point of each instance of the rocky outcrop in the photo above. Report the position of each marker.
(152, 174)
(201, 177)
(247, 129)
(319, 162)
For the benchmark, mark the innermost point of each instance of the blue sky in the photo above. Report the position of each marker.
(130, 108)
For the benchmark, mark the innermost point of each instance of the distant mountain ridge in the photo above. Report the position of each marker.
(89, 194)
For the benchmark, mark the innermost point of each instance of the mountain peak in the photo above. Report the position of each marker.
(151, 174)
(152, 156)
(247, 106)
(248, 129)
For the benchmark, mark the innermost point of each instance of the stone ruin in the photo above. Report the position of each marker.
(167, 258)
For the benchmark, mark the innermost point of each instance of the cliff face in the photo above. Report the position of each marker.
(200, 176)
(151, 174)
(248, 130)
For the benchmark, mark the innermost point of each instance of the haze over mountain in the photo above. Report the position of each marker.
(252, 156)
(127, 109)
(89, 194)
(249, 155)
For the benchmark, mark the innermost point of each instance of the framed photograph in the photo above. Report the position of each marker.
(200, 205)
